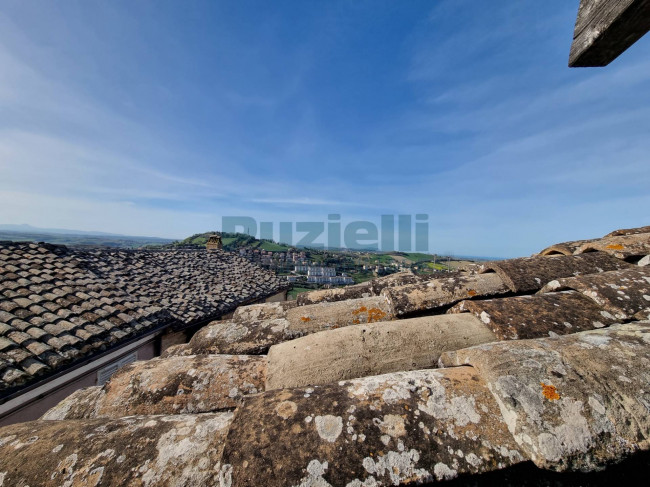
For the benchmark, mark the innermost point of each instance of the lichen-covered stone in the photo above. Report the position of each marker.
(529, 274)
(81, 404)
(250, 338)
(576, 402)
(142, 451)
(378, 348)
(396, 429)
(327, 316)
(182, 385)
(438, 293)
(625, 294)
(537, 316)
(621, 247)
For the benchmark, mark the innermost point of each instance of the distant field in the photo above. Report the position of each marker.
(297, 290)
(273, 247)
(417, 257)
(362, 277)
(83, 240)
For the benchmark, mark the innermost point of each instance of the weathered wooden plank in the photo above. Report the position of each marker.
(606, 28)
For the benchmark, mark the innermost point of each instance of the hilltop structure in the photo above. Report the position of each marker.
(214, 243)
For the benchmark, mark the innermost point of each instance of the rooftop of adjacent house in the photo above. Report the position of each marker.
(511, 372)
(60, 305)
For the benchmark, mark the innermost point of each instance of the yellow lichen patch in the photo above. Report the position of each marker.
(471, 292)
(550, 392)
(356, 321)
(375, 314)
(362, 309)
(615, 247)
(305, 318)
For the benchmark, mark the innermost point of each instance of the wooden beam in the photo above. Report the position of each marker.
(606, 28)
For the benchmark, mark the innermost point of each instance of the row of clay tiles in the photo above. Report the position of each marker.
(576, 402)
(54, 312)
(192, 285)
(230, 364)
(60, 305)
(383, 440)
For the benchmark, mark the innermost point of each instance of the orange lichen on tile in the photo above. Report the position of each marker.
(362, 309)
(305, 318)
(615, 247)
(471, 292)
(375, 314)
(550, 392)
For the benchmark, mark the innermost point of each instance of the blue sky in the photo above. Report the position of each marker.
(158, 118)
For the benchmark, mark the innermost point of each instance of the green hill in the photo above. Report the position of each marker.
(232, 241)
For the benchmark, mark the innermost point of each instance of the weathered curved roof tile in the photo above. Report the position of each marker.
(254, 329)
(537, 316)
(396, 429)
(529, 274)
(133, 451)
(624, 293)
(564, 248)
(180, 385)
(436, 294)
(367, 289)
(328, 315)
(576, 402)
(179, 350)
(81, 404)
(629, 231)
(262, 311)
(373, 349)
(363, 290)
(622, 247)
(231, 337)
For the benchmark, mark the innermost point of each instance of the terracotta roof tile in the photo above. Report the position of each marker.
(537, 316)
(624, 293)
(115, 452)
(436, 294)
(629, 231)
(382, 430)
(529, 274)
(174, 385)
(622, 247)
(577, 402)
